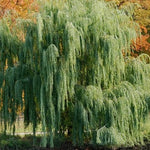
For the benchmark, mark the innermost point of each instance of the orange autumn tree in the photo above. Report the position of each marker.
(141, 45)
(13, 9)
(142, 16)
(17, 8)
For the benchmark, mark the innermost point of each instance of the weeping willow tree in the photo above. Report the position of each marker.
(74, 64)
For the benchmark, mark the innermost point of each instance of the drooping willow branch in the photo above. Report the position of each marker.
(70, 67)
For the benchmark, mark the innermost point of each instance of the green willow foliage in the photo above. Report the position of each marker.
(74, 75)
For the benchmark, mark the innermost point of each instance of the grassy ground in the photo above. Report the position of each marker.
(21, 129)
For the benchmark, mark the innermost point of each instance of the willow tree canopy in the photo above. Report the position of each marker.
(73, 71)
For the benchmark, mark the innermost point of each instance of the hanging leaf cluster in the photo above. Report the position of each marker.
(70, 62)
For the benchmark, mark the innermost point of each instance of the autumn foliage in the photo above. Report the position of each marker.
(142, 16)
(17, 8)
(141, 45)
